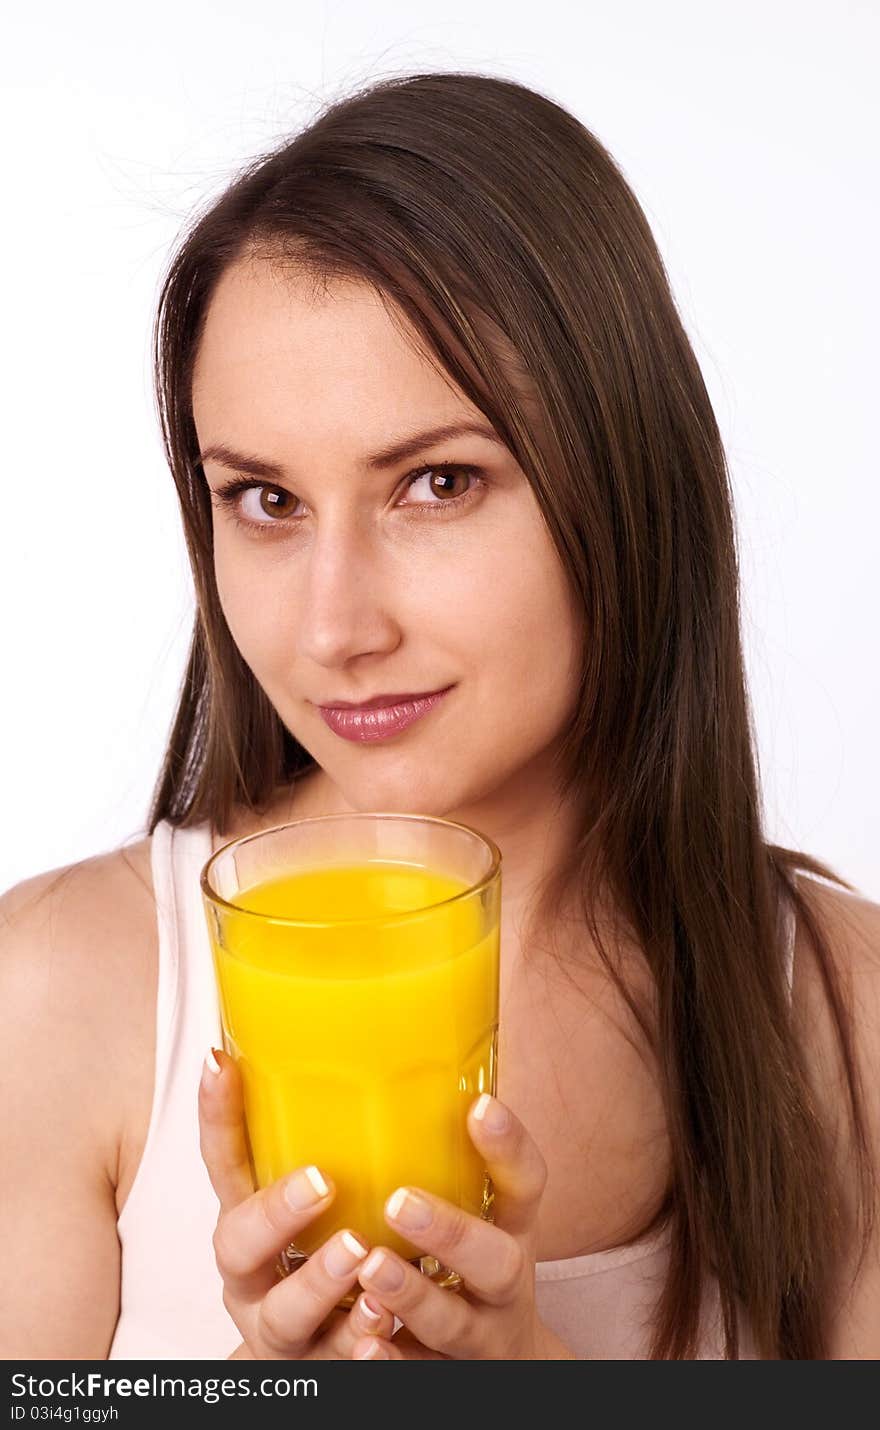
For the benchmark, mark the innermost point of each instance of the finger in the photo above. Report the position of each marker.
(403, 1347)
(367, 1317)
(222, 1137)
(371, 1348)
(514, 1162)
(441, 1320)
(492, 1257)
(250, 1237)
(294, 1310)
(491, 1261)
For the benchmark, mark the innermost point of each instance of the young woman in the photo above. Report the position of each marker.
(435, 424)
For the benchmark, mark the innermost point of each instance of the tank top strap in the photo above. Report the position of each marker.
(171, 1304)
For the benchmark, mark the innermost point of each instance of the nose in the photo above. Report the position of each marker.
(343, 611)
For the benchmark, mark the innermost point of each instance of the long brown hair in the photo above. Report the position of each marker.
(505, 233)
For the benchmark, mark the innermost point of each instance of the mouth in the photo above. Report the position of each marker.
(374, 722)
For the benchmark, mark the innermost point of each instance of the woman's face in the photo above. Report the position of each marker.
(349, 579)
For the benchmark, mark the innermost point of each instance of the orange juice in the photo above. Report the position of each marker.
(361, 1048)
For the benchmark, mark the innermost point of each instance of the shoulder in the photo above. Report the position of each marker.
(78, 970)
(851, 924)
(123, 870)
(80, 925)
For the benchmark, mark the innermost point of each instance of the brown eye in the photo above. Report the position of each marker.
(445, 484)
(273, 502)
(449, 483)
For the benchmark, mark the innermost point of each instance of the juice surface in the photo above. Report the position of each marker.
(361, 1048)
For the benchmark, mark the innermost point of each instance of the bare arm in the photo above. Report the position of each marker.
(64, 1082)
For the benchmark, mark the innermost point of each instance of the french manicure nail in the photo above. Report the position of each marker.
(493, 1115)
(388, 1275)
(410, 1211)
(342, 1256)
(305, 1188)
(368, 1310)
(373, 1352)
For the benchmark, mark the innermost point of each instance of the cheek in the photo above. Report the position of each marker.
(249, 604)
(533, 640)
(524, 610)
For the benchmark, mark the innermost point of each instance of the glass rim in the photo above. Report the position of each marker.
(393, 918)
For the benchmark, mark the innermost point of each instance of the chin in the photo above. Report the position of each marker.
(395, 792)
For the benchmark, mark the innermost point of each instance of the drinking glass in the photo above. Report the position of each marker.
(357, 966)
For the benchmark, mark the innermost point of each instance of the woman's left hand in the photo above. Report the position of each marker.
(493, 1317)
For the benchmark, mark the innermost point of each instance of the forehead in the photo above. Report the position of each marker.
(279, 351)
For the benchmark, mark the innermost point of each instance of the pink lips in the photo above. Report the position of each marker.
(381, 722)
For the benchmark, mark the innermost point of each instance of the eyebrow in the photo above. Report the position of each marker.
(387, 457)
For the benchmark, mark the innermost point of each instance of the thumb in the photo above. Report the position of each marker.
(514, 1162)
(222, 1137)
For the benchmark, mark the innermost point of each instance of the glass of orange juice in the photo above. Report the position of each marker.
(357, 964)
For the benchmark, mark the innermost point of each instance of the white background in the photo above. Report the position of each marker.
(749, 133)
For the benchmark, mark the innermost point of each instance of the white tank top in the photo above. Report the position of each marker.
(171, 1305)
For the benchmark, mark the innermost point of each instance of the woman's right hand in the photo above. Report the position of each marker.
(296, 1317)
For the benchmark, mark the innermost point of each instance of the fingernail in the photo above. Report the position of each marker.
(409, 1210)
(305, 1188)
(342, 1256)
(211, 1066)
(383, 1272)
(493, 1115)
(373, 1352)
(368, 1310)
